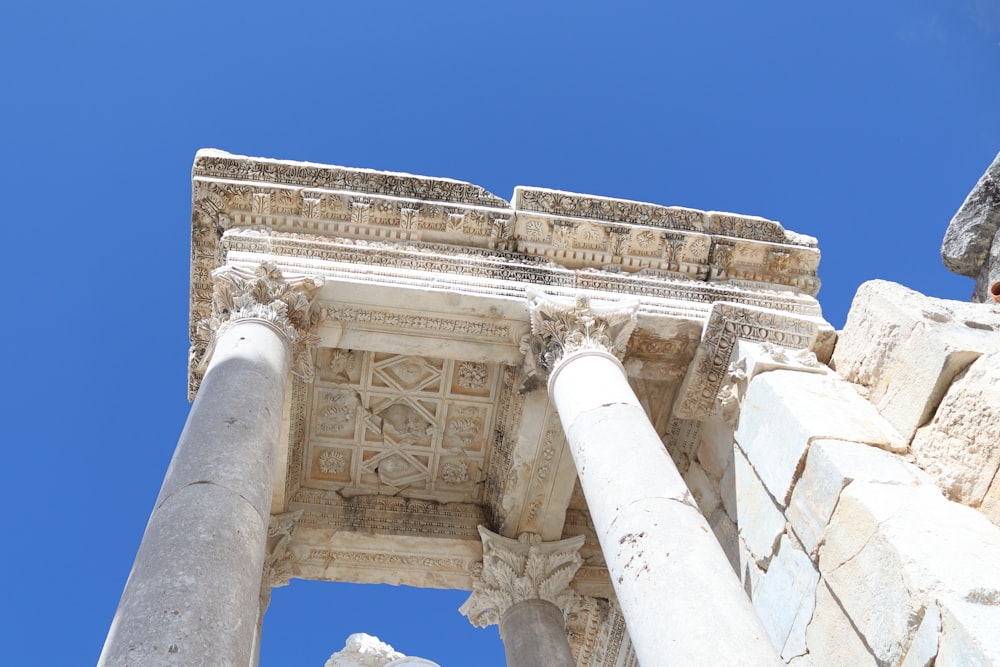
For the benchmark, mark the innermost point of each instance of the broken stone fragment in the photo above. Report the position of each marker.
(970, 247)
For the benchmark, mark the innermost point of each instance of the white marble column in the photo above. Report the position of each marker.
(681, 601)
(524, 587)
(192, 596)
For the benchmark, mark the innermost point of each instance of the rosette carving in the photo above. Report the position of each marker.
(289, 304)
(513, 571)
(560, 329)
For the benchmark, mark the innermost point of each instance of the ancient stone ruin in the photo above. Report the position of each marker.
(625, 428)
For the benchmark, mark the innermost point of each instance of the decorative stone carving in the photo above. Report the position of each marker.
(727, 324)
(522, 569)
(278, 559)
(560, 329)
(265, 294)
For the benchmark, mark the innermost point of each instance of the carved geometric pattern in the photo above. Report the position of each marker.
(523, 569)
(400, 424)
(728, 323)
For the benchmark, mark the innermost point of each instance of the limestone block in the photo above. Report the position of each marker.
(832, 640)
(759, 520)
(830, 466)
(783, 411)
(960, 448)
(715, 446)
(703, 489)
(890, 550)
(786, 597)
(924, 647)
(906, 348)
(970, 630)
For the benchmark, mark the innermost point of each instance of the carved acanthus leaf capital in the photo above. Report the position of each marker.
(522, 569)
(277, 570)
(289, 304)
(559, 329)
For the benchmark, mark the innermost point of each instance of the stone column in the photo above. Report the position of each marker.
(681, 601)
(524, 587)
(192, 595)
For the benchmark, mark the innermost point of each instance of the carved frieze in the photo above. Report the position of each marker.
(727, 324)
(523, 569)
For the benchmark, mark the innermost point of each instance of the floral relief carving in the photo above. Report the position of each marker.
(455, 472)
(523, 569)
(472, 375)
(332, 462)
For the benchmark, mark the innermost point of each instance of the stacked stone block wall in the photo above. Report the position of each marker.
(860, 507)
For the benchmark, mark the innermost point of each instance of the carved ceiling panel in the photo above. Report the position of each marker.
(417, 427)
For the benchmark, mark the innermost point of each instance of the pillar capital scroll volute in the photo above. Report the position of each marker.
(518, 570)
(560, 329)
(289, 305)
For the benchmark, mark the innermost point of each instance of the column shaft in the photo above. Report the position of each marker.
(192, 596)
(534, 635)
(681, 601)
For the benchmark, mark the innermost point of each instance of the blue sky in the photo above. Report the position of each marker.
(863, 124)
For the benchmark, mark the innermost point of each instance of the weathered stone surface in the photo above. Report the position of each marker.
(966, 244)
(534, 635)
(970, 630)
(906, 348)
(726, 532)
(924, 646)
(784, 600)
(784, 411)
(715, 446)
(960, 448)
(830, 466)
(759, 520)
(890, 550)
(703, 489)
(832, 640)
(727, 491)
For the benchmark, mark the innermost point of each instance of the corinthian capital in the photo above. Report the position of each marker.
(518, 570)
(288, 304)
(560, 329)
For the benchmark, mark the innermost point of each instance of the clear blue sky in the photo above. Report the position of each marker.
(862, 123)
